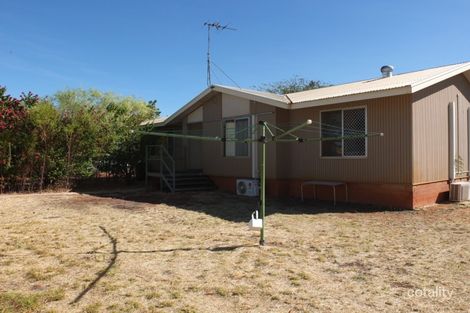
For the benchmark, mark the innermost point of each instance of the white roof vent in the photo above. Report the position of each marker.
(387, 71)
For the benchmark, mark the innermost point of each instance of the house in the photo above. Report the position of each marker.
(424, 116)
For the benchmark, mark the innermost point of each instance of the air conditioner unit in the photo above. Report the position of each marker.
(247, 187)
(459, 191)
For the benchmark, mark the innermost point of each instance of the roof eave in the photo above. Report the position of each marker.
(437, 79)
(233, 92)
(201, 95)
(277, 103)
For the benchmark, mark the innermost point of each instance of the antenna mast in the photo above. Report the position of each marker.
(217, 26)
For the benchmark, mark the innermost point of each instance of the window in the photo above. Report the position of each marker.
(347, 128)
(236, 129)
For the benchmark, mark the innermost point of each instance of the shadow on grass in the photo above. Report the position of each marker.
(102, 273)
(231, 207)
(115, 253)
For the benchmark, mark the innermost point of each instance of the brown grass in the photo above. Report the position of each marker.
(152, 252)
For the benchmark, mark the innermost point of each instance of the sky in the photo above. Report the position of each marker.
(157, 49)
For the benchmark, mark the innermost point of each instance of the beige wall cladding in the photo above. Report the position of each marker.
(195, 116)
(213, 161)
(267, 113)
(430, 128)
(282, 149)
(388, 158)
(234, 106)
(194, 147)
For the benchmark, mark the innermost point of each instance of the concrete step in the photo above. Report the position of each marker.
(193, 180)
(202, 188)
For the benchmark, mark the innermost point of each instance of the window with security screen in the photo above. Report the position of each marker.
(236, 129)
(343, 133)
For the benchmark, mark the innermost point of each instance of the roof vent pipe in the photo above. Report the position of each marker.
(387, 71)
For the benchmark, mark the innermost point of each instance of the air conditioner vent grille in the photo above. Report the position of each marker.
(247, 187)
(459, 191)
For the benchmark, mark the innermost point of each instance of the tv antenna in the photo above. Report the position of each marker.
(216, 26)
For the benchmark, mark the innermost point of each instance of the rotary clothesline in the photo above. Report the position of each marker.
(251, 134)
(258, 134)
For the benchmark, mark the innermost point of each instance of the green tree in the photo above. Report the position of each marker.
(72, 135)
(98, 131)
(292, 85)
(16, 143)
(46, 127)
(123, 116)
(81, 131)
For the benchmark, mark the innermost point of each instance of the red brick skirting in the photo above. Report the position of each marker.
(430, 193)
(388, 195)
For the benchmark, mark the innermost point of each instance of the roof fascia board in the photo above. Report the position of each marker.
(204, 93)
(249, 96)
(356, 97)
(437, 79)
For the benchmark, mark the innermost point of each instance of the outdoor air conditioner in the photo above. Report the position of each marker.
(459, 191)
(247, 187)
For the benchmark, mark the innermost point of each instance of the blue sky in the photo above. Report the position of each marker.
(157, 49)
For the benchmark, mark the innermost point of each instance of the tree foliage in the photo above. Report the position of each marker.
(292, 85)
(45, 120)
(15, 142)
(74, 134)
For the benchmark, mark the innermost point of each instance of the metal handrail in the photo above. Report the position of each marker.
(170, 170)
(167, 166)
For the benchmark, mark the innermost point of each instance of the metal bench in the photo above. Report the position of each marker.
(332, 184)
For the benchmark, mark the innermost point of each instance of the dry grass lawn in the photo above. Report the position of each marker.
(151, 252)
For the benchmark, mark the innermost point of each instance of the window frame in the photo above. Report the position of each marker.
(342, 134)
(234, 119)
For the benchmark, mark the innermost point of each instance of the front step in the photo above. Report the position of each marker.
(192, 181)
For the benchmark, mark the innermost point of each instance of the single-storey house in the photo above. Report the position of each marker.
(423, 116)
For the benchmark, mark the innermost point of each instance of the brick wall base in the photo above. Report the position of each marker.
(426, 194)
(387, 195)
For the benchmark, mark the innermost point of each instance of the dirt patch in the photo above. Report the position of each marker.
(132, 251)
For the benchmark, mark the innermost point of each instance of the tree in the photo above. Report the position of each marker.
(292, 85)
(98, 131)
(46, 126)
(124, 115)
(15, 138)
(81, 131)
(12, 112)
(75, 134)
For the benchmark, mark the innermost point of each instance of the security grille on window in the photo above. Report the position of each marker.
(236, 129)
(349, 128)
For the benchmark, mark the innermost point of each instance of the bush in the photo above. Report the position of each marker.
(75, 134)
